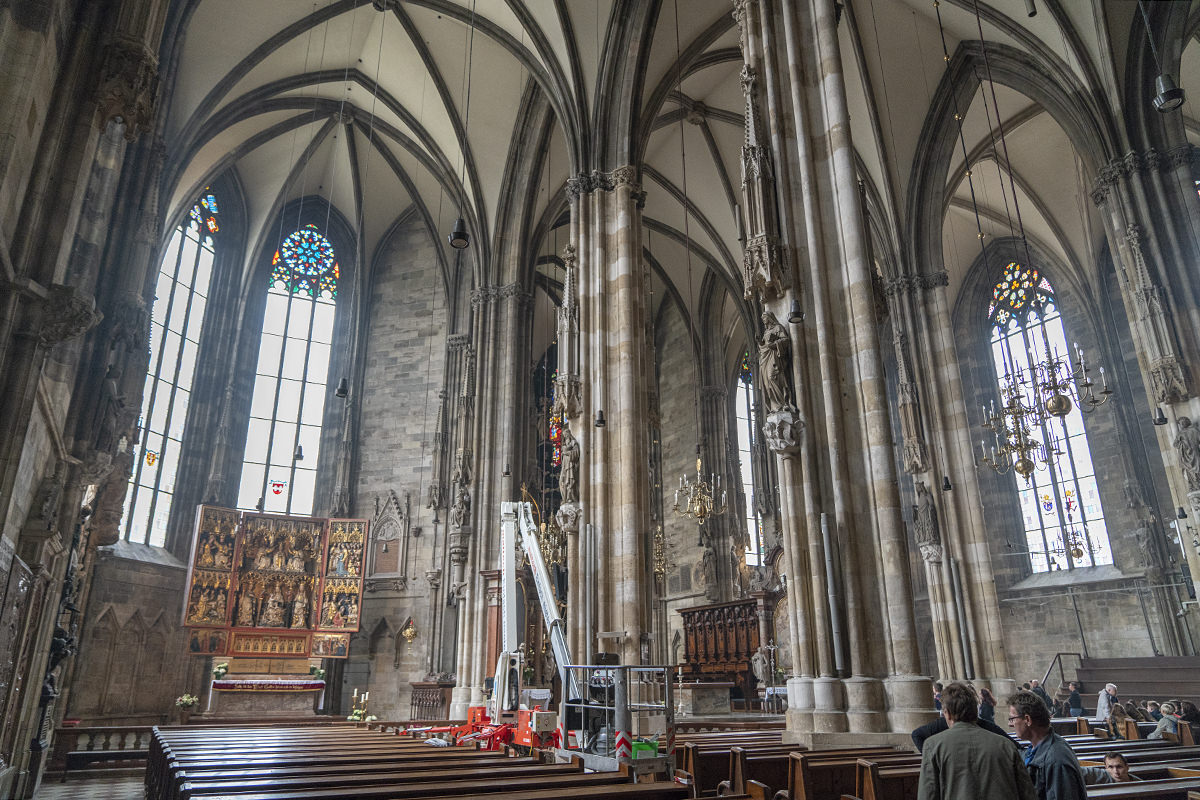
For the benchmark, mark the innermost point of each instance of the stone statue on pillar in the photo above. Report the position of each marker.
(1187, 442)
(925, 522)
(708, 571)
(568, 476)
(775, 365)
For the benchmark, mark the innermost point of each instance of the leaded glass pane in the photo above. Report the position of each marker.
(1060, 506)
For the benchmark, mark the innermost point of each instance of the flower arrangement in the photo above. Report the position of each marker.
(317, 673)
(219, 671)
(187, 701)
(357, 715)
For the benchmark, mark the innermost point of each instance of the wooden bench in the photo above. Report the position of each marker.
(826, 773)
(768, 766)
(706, 765)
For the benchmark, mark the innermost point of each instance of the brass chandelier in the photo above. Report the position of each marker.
(700, 497)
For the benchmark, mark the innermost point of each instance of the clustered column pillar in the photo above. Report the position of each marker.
(822, 383)
(614, 463)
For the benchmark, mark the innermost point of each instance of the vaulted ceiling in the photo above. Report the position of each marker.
(415, 108)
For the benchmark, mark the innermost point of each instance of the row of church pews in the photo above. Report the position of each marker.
(704, 759)
(268, 763)
(1163, 772)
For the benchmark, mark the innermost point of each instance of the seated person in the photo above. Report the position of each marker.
(1152, 711)
(1115, 770)
(1167, 724)
(1189, 713)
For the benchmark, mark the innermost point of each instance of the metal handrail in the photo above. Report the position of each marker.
(1062, 677)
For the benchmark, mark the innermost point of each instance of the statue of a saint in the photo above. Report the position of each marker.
(759, 665)
(272, 616)
(295, 561)
(300, 610)
(461, 509)
(217, 612)
(245, 610)
(568, 476)
(708, 570)
(108, 415)
(775, 364)
(925, 519)
(1187, 442)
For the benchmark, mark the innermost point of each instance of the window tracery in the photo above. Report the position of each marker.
(1060, 506)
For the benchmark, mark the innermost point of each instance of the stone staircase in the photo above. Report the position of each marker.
(1152, 677)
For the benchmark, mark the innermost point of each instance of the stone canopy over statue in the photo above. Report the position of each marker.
(265, 585)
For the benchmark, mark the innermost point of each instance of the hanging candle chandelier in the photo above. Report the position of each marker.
(699, 497)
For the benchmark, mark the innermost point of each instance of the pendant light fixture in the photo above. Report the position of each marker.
(459, 238)
(1167, 94)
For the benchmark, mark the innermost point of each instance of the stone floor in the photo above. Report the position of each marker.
(92, 789)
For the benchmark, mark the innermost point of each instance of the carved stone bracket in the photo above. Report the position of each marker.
(66, 314)
(784, 431)
(567, 517)
(568, 395)
(460, 545)
(128, 85)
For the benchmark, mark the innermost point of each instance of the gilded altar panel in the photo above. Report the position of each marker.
(260, 584)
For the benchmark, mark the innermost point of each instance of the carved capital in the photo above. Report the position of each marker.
(456, 342)
(784, 431)
(514, 291)
(482, 295)
(128, 85)
(932, 553)
(66, 314)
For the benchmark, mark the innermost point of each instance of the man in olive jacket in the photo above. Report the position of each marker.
(967, 762)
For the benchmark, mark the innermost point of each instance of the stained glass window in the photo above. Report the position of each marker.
(287, 405)
(176, 318)
(746, 433)
(554, 427)
(305, 264)
(1060, 506)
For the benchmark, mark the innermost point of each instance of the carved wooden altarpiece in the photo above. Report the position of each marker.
(273, 586)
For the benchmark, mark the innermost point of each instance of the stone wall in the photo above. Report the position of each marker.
(406, 334)
(677, 406)
(131, 661)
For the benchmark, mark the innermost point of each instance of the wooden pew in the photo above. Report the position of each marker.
(822, 774)
(387, 780)
(706, 765)
(768, 766)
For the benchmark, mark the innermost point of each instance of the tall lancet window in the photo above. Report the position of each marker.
(175, 321)
(745, 432)
(283, 439)
(1060, 505)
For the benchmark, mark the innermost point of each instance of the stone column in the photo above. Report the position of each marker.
(821, 265)
(614, 464)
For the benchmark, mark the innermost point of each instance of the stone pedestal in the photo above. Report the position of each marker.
(703, 699)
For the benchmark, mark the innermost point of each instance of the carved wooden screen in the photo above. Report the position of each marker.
(262, 585)
(720, 639)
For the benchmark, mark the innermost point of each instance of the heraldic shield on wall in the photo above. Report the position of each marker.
(269, 585)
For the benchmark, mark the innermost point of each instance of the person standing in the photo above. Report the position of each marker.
(1053, 766)
(1035, 686)
(987, 706)
(1104, 702)
(1074, 701)
(967, 762)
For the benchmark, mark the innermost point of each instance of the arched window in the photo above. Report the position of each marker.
(1060, 505)
(175, 321)
(283, 439)
(745, 433)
